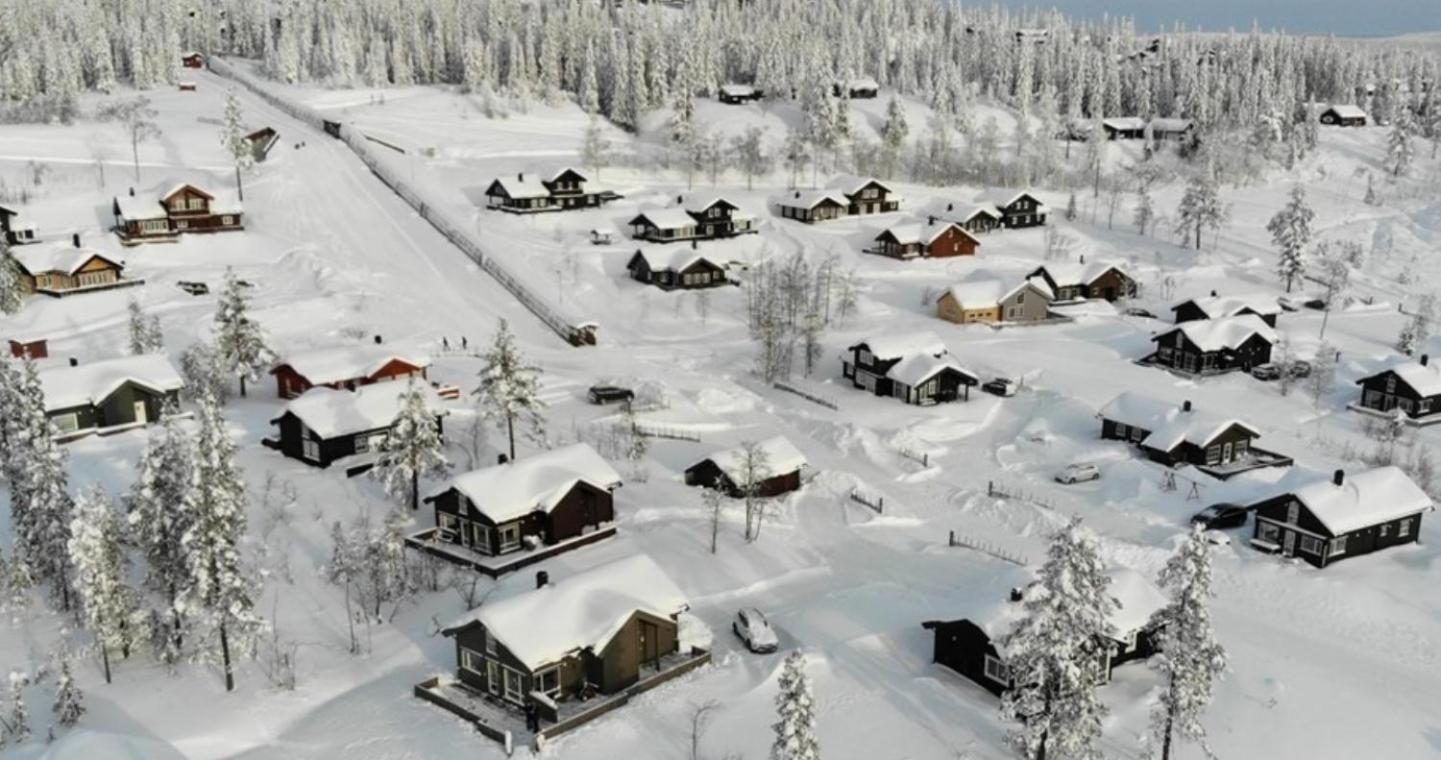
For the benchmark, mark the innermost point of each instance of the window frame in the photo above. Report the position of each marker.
(995, 669)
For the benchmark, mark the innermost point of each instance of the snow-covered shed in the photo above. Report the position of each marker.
(111, 393)
(1344, 115)
(323, 424)
(15, 229)
(1323, 520)
(776, 469)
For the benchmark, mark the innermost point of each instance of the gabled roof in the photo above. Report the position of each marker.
(522, 186)
(697, 206)
(920, 232)
(536, 483)
(66, 387)
(918, 368)
(1347, 111)
(809, 199)
(1136, 598)
(1125, 123)
(584, 611)
(1168, 424)
(56, 257)
(738, 90)
(898, 344)
(1227, 332)
(960, 211)
(331, 413)
(7, 211)
(989, 292)
(1002, 197)
(781, 457)
(862, 83)
(671, 259)
(1170, 125)
(1424, 379)
(176, 189)
(336, 365)
(850, 184)
(665, 218)
(558, 173)
(1067, 273)
(1364, 499)
(1231, 306)
(135, 208)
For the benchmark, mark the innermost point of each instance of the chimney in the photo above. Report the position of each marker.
(679, 199)
(378, 340)
(75, 239)
(1425, 359)
(694, 245)
(1213, 294)
(1186, 405)
(1083, 258)
(520, 177)
(1339, 478)
(132, 192)
(950, 207)
(930, 220)
(74, 362)
(502, 459)
(798, 194)
(542, 579)
(1016, 594)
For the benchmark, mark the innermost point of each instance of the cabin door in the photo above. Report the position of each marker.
(1289, 549)
(1226, 452)
(649, 642)
(141, 416)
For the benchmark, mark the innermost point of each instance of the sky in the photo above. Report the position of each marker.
(1340, 17)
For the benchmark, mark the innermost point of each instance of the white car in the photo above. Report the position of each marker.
(755, 631)
(1078, 473)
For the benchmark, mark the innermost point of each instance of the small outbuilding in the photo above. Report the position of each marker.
(728, 470)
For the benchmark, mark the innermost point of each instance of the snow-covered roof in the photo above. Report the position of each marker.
(538, 482)
(781, 457)
(1170, 125)
(672, 259)
(332, 413)
(920, 232)
(1136, 600)
(135, 208)
(918, 368)
(67, 387)
(179, 186)
(558, 173)
(863, 83)
(697, 206)
(960, 211)
(1125, 123)
(850, 184)
(1065, 273)
(1168, 424)
(897, 345)
(738, 90)
(1364, 499)
(336, 365)
(666, 218)
(1424, 379)
(1227, 332)
(1348, 111)
(523, 186)
(1230, 306)
(56, 257)
(1002, 197)
(579, 612)
(989, 292)
(809, 199)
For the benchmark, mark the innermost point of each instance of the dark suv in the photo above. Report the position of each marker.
(609, 394)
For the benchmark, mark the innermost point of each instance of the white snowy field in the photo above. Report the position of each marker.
(1333, 663)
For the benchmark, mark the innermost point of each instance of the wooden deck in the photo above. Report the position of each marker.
(496, 566)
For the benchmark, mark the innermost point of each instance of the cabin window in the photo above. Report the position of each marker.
(1020, 297)
(1404, 529)
(66, 423)
(870, 193)
(369, 442)
(1391, 384)
(1213, 454)
(1338, 546)
(196, 204)
(449, 525)
(509, 536)
(490, 646)
(1311, 545)
(1385, 531)
(1423, 406)
(512, 685)
(480, 537)
(1241, 447)
(310, 448)
(492, 676)
(865, 358)
(154, 227)
(182, 225)
(1293, 512)
(996, 670)
(1268, 532)
(547, 682)
(227, 220)
(472, 661)
(1137, 434)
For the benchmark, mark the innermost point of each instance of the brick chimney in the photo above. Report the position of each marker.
(1339, 478)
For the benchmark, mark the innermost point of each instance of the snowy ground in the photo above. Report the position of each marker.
(1339, 663)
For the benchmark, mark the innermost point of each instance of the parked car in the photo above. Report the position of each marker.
(755, 631)
(1290, 303)
(1079, 472)
(1319, 304)
(193, 288)
(1299, 369)
(609, 394)
(1134, 312)
(1001, 386)
(1220, 516)
(1267, 371)
(1217, 538)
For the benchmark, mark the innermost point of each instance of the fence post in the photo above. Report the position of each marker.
(991, 488)
(951, 539)
(880, 505)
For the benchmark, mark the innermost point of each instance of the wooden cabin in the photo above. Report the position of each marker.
(1124, 128)
(1098, 279)
(596, 633)
(61, 270)
(676, 268)
(1334, 518)
(184, 208)
(811, 206)
(1412, 387)
(915, 368)
(863, 88)
(725, 470)
(1171, 130)
(1344, 116)
(112, 393)
(540, 500)
(1214, 346)
(1219, 307)
(933, 240)
(261, 141)
(564, 190)
(29, 348)
(865, 195)
(1018, 210)
(1174, 435)
(323, 425)
(738, 94)
(14, 229)
(975, 218)
(712, 218)
(970, 645)
(192, 60)
(993, 301)
(346, 368)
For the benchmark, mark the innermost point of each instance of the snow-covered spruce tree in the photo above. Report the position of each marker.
(102, 571)
(232, 139)
(219, 594)
(894, 132)
(1190, 659)
(1200, 207)
(200, 365)
(1055, 653)
(40, 504)
(796, 708)
(1290, 232)
(750, 154)
(69, 702)
(158, 522)
(144, 329)
(17, 727)
(1145, 212)
(413, 447)
(510, 388)
(239, 343)
(1400, 153)
(595, 147)
(11, 297)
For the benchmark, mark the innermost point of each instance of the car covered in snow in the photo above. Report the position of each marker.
(609, 394)
(1001, 386)
(1221, 516)
(1135, 312)
(752, 628)
(1080, 472)
(1267, 371)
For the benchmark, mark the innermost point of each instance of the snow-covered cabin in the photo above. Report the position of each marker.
(811, 206)
(58, 269)
(562, 190)
(915, 368)
(1124, 128)
(976, 218)
(347, 367)
(931, 240)
(261, 141)
(726, 470)
(1337, 115)
(1097, 279)
(1328, 519)
(14, 228)
(736, 94)
(29, 348)
(1414, 387)
(1211, 346)
(112, 393)
(857, 87)
(594, 632)
(192, 60)
(672, 268)
(1170, 130)
(1174, 434)
(1219, 307)
(971, 645)
(1018, 208)
(699, 219)
(323, 424)
(182, 208)
(541, 499)
(865, 195)
(991, 301)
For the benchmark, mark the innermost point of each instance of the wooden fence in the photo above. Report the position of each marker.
(670, 433)
(821, 400)
(1001, 491)
(877, 503)
(986, 548)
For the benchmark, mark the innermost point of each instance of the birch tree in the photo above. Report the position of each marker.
(137, 116)
(754, 468)
(1290, 232)
(751, 155)
(1190, 659)
(102, 572)
(239, 342)
(232, 139)
(414, 447)
(509, 388)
